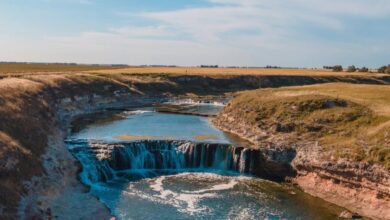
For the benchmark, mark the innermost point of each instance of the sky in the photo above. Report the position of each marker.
(289, 33)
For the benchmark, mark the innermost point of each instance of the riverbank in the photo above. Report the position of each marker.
(36, 109)
(340, 132)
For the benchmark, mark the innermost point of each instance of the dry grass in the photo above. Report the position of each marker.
(229, 71)
(375, 97)
(24, 68)
(205, 137)
(143, 137)
(134, 137)
(350, 121)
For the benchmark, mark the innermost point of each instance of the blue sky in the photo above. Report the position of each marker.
(298, 33)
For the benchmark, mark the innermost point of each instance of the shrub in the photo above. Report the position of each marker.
(363, 70)
(337, 68)
(384, 69)
(351, 69)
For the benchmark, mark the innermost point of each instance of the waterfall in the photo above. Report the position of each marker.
(104, 162)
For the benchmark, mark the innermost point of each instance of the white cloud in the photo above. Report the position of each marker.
(371, 8)
(270, 17)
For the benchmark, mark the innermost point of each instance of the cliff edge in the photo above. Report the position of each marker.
(341, 133)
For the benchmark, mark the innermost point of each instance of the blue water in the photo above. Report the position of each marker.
(205, 195)
(138, 125)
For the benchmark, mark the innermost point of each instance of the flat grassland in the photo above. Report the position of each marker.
(28, 68)
(375, 97)
(228, 71)
(21, 69)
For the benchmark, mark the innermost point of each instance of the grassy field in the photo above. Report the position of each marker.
(24, 68)
(375, 97)
(349, 121)
(227, 71)
(20, 69)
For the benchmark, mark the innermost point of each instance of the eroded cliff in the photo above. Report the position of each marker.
(340, 132)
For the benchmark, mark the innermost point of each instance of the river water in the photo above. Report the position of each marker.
(160, 181)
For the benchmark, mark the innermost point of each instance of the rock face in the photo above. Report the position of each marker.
(357, 186)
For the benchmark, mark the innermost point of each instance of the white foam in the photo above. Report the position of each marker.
(158, 184)
(187, 202)
(137, 112)
(192, 201)
(219, 187)
(245, 214)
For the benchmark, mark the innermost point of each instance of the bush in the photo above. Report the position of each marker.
(351, 69)
(363, 70)
(337, 68)
(384, 69)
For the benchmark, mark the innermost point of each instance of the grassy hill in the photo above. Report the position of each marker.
(349, 121)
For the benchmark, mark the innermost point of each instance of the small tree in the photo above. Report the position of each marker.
(382, 69)
(387, 69)
(337, 68)
(351, 69)
(363, 70)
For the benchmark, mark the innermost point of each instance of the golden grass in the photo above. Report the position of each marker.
(228, 71)
(142, 137)
(375, 97)
(12, 68)
(24, 69)
(133, 137)
(205, 137)
(355, 126)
